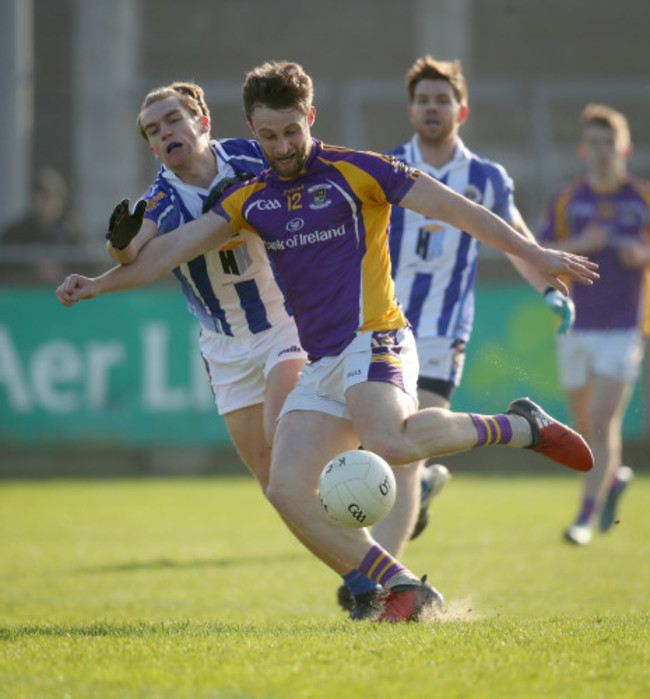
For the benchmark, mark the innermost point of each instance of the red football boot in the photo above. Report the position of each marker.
(553, 439)
(408, 602)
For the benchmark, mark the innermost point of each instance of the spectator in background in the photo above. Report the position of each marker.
(45, 222)
(604, 214)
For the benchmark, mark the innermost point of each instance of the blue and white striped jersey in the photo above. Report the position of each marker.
(434, 264)
(234, 290)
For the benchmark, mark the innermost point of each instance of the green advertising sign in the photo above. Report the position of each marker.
(121, 369)
(125, 368)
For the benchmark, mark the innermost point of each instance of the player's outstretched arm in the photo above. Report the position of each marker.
(526, 270)
(431, 198)
(76, 287)
(157, 258)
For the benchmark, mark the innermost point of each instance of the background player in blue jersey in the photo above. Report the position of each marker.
(605, 214)
(248, 338)
(323, 213)
(434, 265)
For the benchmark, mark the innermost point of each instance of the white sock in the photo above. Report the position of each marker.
(522, 435)
(404, 577)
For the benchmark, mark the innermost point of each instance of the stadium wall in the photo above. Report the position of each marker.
(531, 67)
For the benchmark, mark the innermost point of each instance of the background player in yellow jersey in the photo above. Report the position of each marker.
(604, 214)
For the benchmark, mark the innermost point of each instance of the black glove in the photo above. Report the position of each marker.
(123, 225)
(219, 188)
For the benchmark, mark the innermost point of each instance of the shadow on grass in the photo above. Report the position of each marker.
(171, 564)
(169, 629)
(118, 630)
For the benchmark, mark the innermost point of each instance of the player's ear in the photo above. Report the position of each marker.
(205, 124)
(410, 113)
(463, 113)
(629, 150)
(312, 115)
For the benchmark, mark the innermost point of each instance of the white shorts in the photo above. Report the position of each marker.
(441, 358)
(238, 367)
(614, 353)
(387, 356)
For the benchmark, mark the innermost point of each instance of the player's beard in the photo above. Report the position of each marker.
(292, 169)
(438, 137)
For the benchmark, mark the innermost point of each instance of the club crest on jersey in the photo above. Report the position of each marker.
(473, 194)
(319, 193)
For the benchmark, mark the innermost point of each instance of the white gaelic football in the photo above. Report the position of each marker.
(357, 488)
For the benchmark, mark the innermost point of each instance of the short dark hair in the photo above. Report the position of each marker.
(277, 85)
(427, 68)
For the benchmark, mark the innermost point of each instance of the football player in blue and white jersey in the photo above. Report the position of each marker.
(248, 337)
(434, 264)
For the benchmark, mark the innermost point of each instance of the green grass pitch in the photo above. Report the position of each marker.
(193, 588)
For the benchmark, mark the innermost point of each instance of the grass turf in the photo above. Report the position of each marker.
(193, 588)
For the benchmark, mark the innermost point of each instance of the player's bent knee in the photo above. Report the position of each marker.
(293, 502)
(283, 499)
(394, 451)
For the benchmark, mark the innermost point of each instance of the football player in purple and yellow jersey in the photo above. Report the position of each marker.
(604, 214)
(323, 214)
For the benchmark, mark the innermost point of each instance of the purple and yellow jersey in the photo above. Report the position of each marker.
(327, 232)
(233, 291)
(434, 264)
(616, 300)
